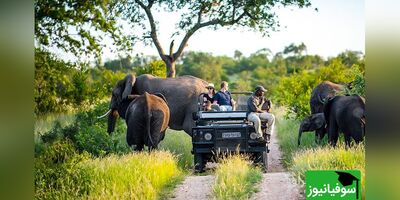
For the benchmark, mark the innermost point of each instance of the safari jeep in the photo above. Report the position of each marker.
(225, 132)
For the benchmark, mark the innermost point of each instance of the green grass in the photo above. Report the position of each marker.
(180, 144)
(310, 156)
(235, 178)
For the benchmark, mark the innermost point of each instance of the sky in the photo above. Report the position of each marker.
(338, 25)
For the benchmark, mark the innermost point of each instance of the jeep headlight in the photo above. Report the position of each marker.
(253, 135)
(208, 136)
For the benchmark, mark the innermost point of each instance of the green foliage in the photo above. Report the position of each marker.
(294, 91)
(62, 86)
(77, 26)
(155, 68)
(51, 83)
(202, 65)
(235, 178)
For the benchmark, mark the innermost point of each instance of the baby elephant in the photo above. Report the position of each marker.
(315, 122)
(147, 118)
(345, 114)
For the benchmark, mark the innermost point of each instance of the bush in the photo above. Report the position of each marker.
(87, 133)
(58, 173)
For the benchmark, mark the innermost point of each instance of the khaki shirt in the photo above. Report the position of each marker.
(255, 103)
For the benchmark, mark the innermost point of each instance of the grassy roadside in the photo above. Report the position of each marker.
(75, 158)
(235, 178)
(310, 156)
(63, 173)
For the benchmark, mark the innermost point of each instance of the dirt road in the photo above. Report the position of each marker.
(277, 183)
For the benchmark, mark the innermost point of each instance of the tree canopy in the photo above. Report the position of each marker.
(254, 14)
(77, 26)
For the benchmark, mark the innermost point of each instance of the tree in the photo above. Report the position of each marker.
(77, 26)
(253, 14)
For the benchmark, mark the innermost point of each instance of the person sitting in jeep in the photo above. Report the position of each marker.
(257, 112)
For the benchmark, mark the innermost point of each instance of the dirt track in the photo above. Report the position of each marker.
(277, 183)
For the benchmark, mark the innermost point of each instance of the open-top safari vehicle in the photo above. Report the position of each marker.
(225, 132)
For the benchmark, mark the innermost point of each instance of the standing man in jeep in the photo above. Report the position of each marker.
(258, 110)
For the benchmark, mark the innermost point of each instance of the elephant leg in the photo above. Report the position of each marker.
(316, 137)
(333, 133)
(188, 123)
(319, 133)
(139, 147)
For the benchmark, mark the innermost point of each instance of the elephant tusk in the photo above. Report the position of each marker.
(108, 112)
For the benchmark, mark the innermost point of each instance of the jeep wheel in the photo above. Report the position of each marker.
(198, 163)
(265, 161)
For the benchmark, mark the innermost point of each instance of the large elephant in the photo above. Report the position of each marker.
(321, 93)
(315, 122)
(345, 114)
(181, 94)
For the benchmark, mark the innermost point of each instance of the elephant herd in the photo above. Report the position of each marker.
(332, 114)
(150, 104)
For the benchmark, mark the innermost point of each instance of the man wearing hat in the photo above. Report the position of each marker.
(258, 110)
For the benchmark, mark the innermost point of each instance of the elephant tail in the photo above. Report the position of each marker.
(148, 120)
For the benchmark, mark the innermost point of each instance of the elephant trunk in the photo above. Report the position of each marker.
(112, 119)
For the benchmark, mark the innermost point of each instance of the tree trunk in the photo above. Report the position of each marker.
(170, 64)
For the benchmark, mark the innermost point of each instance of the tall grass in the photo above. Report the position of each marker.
(62, 173)
(133, 176)
(235, 178)
(180, 144)
(310, 156)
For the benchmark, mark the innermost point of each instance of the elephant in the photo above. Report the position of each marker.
(181, 94)
(315, 122)
(319, 95)
(146, 118)
(345, 114)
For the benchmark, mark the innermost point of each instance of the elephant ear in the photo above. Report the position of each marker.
(161, 96)
(318, 120)
(129, 81)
